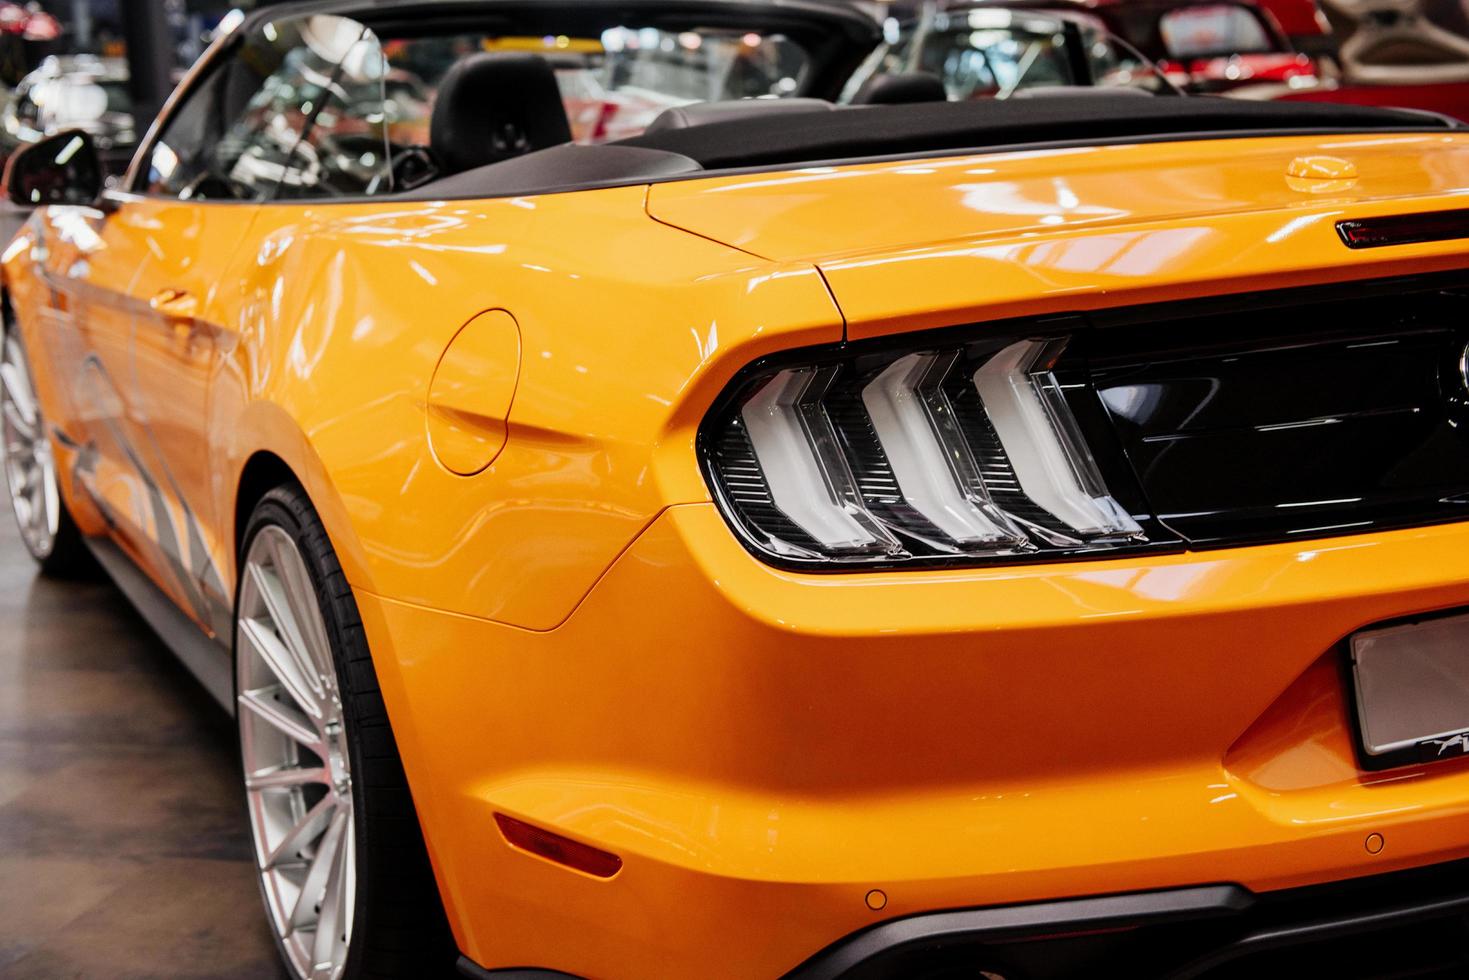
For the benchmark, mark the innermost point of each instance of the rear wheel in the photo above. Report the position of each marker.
(46, 527)
(340, 856)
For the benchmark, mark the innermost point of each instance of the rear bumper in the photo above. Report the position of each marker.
(1408, 923)
(772, 754)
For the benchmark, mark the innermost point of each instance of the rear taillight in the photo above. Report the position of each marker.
(951, 452)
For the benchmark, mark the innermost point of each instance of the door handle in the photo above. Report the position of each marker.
(177, 303)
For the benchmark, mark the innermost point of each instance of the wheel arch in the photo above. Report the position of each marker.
(268, 449)
(263, 472)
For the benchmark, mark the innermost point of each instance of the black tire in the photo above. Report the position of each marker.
(70, 559)
(400, 929)
(66, 557)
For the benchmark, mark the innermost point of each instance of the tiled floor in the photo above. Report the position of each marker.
(123, 851)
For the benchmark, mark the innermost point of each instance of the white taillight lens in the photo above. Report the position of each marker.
(951, 453)
(808, 477)
(934, 467)
(1040, 437)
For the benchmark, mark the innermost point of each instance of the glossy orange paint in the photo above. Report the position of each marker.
(1010, 234)
(573, 637)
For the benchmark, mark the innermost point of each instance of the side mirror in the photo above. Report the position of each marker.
(60, 169)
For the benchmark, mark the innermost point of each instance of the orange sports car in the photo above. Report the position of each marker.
(1001, 539)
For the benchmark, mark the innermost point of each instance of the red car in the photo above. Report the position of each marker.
(1414, 57)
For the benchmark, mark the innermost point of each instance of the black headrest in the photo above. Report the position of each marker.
(494, 106)
(901, 89)
(699, 113)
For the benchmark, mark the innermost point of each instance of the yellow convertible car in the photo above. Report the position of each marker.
(1010, 539)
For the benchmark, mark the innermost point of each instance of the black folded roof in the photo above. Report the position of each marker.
(893, 130)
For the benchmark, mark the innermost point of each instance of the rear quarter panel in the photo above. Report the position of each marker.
(344, 311)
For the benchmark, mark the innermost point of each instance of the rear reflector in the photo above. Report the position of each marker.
(554, 847)
(1405, 229)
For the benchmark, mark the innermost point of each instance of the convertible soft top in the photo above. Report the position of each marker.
(875, 131)
(831, 135)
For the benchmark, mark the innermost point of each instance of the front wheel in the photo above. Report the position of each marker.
(46, 527)
(340, 856)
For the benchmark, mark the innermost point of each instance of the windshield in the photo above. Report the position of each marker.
(993, 53)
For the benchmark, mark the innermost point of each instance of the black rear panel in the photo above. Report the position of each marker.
(1396, 925)
(1308, 417)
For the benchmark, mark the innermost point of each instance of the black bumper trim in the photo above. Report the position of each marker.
(1307, 932)
(995, 924)
(1193, 931)
(471, 969)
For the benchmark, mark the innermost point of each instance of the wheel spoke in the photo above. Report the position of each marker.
(52, 501)
(280, 719)
(302, 833)
(329, 922)
(26, 427)
(273, 653)
(16, 382)
(348, 890)
(286, 778)
(304, 614)
(287, 623)
(312, 900)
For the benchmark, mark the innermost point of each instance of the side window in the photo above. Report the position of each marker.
(234, 135)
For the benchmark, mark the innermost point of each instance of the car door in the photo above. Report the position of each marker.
(168, 319)
(160, 308)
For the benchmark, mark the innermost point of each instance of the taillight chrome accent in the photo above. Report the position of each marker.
(807, 474)
(934, 467)
(1040, 436)
(947, 452)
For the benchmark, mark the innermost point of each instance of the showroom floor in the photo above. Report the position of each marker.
(122, 845)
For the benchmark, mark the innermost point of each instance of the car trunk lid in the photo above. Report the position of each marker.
(918, 243)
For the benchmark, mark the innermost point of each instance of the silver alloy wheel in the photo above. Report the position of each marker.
(30, 467)
(298, 777)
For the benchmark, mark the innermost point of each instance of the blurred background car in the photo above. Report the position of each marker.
(1202, 46)
(994, 50)
(28, 34)
(73, 92)
(1410, 54)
